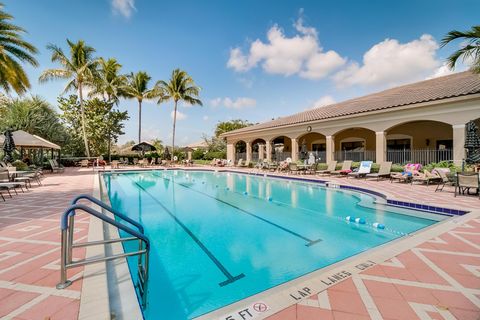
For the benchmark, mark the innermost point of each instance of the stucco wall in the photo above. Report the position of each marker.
(420, 131)
(368, 135)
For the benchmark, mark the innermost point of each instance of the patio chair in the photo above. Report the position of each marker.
(364, 169)
(239, 163)
(445, 180)
(12, 186)
(467, 181)
(27, 178)
(293, 168)
(409, 171)
(346, 168)
(331, 167)
(244, 165)
(426, 177)
(55, 167)
(311, 169)
(383, 171)
(84, 163)
(114, 164)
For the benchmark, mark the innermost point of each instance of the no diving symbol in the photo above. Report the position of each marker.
(260, 307)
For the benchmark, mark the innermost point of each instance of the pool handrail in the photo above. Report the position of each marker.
(108, 208)
(67, 245)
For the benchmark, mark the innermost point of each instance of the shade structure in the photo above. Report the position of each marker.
(143, 147)
(26, 140)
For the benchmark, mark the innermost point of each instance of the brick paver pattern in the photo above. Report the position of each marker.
(439, 279)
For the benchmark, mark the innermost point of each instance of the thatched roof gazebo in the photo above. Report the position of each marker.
(32, 146)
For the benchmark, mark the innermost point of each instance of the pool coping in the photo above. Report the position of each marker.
(289, 293)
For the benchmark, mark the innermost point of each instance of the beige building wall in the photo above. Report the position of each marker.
(310, 138)
(349, 134)
(421, 131)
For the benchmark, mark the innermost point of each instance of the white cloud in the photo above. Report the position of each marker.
(324, 101)
(238, 103)
(300, 54)
(205, 118)
(123, 7)
(391, 63)
(180, 115)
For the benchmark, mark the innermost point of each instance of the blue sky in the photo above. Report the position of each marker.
(254, 60)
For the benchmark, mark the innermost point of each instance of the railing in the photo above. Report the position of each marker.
(281, 156)
(355, 155)
(419, 156)
(240, 155)
(320, 156)
(255, 156)
(67, 228)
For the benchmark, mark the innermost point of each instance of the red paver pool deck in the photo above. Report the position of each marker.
(438, 279)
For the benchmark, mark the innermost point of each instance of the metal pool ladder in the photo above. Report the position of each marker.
(67, 228)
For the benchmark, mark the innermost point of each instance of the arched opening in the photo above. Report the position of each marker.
(356, 144)
(312, 143)
(258, 150)
(240, 150)
(281, 148)
(423, 141)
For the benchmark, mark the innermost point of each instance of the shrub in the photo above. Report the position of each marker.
(20, 165)
(215, 155)
(198, 154)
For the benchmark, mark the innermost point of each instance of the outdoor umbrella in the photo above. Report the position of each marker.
(8, 146)
(143, 147)
(303, 152)
(166, 153)
(472, 143)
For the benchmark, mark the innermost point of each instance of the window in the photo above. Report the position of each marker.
(319, 147)
(398, 144)
(353, 146)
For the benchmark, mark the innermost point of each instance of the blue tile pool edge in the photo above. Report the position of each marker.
(394, 203)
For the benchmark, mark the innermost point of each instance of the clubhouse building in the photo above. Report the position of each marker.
(422, 122)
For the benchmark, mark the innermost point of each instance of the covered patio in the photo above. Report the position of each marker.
(421, 122)
(34, 148)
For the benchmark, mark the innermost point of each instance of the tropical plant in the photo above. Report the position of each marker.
(103, 123)
(470, 47)
(14, 51)
(108, 82)
(78, 68)
(226, 126)
(180, 87)
(33, 115)
(137, 88)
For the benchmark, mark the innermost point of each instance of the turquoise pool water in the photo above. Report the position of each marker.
(217, 238)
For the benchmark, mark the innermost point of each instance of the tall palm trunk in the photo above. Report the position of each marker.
(173, 134)
(82, 112)
(139, 121)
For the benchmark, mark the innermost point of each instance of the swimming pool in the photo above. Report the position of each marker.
(219, 237)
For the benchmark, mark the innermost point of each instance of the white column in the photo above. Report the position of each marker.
(249, 151)
(231, 152)
(330, 148)
(269, 150)
(294, 150)
(458, 143)
(381, 147)
(261, 151)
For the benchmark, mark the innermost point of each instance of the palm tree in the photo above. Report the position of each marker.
(471, 48)
(137, 88)
(180, 87)
(79, 69)
(13, 51)
(108, 82)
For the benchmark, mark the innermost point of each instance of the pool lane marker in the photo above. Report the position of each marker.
(310, 242)
(220, 266)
